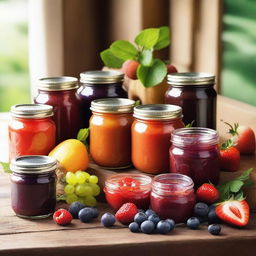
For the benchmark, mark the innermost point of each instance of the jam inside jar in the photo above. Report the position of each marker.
(33, 186)
(195, 152)
(173, 196)
(128, 188)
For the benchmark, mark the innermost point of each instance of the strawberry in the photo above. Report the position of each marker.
(171, 69)
(126, 213)
(229, 157)
(243, 137)
(62, 217)
(234, 212)
(207, 193)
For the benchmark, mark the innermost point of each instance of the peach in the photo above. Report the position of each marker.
(129, 68)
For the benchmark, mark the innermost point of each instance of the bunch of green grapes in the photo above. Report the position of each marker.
(81, 187)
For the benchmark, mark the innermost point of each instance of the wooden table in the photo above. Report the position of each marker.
(42, 237)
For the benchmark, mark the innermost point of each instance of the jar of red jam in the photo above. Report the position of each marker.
(110, 132)
(173, 196)
(128, 188)
(33, 186)
(61, 93)
(151, 134)
(31, 130)
(99, 84)
(195, 153)
(195, 93)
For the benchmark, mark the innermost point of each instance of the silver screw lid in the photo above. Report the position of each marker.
(33, 164)
(101, 77)
(31, 111)
(60, 83)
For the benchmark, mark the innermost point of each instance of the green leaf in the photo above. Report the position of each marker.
(248, 183)
(190, 124)
(110, 60)
(124, 50)
(137, 103)
(147, 38)
(245, 175)
(6, 167)
(239, 196)
(152, 75)
(163, 39)
(236, 185)
(83, 134)
(146, 57)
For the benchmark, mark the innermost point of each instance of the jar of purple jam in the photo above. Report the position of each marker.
(33, 186)
(195, 153)
(96, 85)
(172, 196)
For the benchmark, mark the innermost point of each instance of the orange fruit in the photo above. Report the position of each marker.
(72, 155)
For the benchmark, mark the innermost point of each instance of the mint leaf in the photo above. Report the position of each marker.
(245, 175)
(110, 60)
(124, 50)
(235, 185)
(152, 75)
(163, 39)
(6, 167)
(147, 38)
(146, 57)
(83, 134)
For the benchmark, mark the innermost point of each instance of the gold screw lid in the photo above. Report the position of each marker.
(60, 83)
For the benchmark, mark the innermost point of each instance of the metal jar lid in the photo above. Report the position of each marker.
(113, 105)
(157, 112)
(60, 83)
(101, 77)
(33, 164)
(31, 111)
(190, 78)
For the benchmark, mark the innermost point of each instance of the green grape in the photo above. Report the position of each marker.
(71, 198)
(95, 189)
(90, 201)
(93, 179)
(80, 200)
(69, 189)
(82, 177)
(84, 190)
(71, 178)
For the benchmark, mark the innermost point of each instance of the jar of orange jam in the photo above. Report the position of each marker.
(110, 132)
(151, 134)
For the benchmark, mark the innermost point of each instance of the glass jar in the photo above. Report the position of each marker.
(61, 93)
(99, 84)
(151, 134)
(31, 130)
(194, 92)
(110, 132)
(173, 196)
(33, 186)
(195, 152)
(128, 188)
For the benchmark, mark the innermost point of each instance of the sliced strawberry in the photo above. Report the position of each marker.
(126, 213)
(207, 193)
(234, 212)
(62, 217)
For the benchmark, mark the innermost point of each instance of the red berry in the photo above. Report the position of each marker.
(126, 213)
(130, 68)
(62, 217)
(207, 193)
(171, 69)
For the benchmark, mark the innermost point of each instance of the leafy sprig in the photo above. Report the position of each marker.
(6, 167)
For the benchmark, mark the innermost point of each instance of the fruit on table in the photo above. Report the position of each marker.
(108, 219)
(229, 156)
(214, 229)
(126, 213)
(207, 193)
(193, 223)
(62, 217)
(140, 217)
(149, 212)
(147, 227)
(201, 209)
(129, 68)
(243, 138)
(163, 227)
(72, 155)
(154, 218)
(234, 212)
(212, 216)
(172, 223)
(74, 209)
(171, 69)
(86, 214)
(134, 227)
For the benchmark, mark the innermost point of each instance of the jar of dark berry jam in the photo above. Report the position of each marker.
(128, 188)
(99, 84)
(173, 196)
(195, 153)
(195, 93)
(33, 186)
(61, 93)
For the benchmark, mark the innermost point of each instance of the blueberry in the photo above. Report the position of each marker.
(212, 217)
(147, 227)
(86, 214)
(74, 209)
(134, 227)
(203, 219)
(212, 207)
(108, 219)
(201, 210)
(140, 217)
(95, 212)
(163, 227)
(149, 212)
(193, 223)
(214, 229)
(172, 223)
(154, 218)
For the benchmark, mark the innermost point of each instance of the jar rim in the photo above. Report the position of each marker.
(58, 83)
